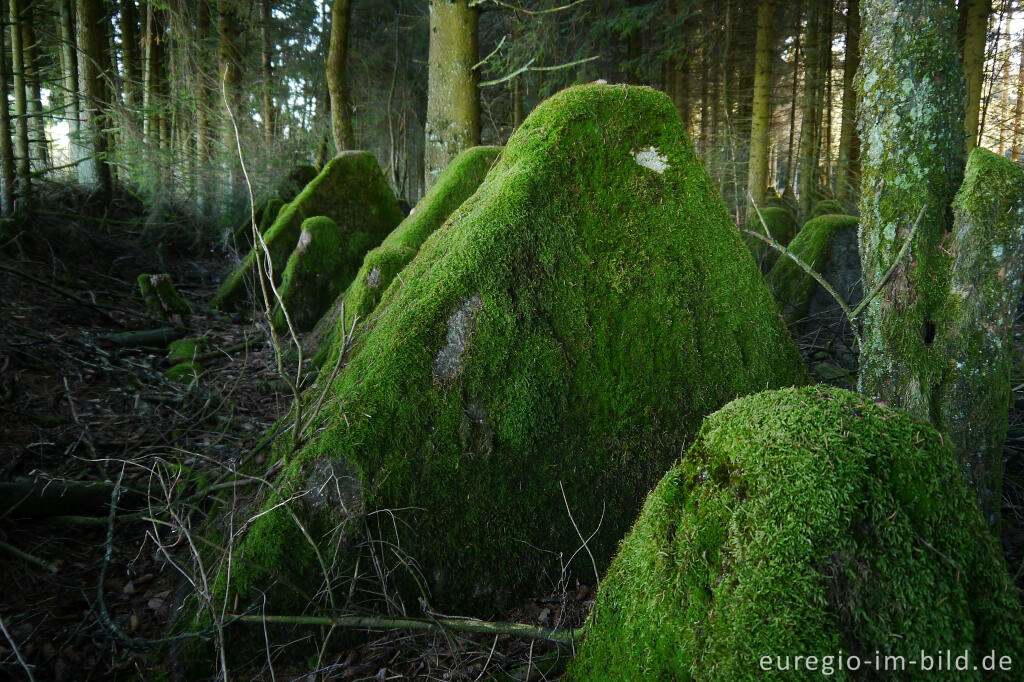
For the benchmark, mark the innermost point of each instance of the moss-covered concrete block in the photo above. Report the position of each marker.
(183, 350)
(826, 207)
(456, 184)
(185, 372)
(313, 277)
(564, 332)
(782, 226)
(805, 522)
(266, 214)
(828, 244)
(351, 191)
(161, 298)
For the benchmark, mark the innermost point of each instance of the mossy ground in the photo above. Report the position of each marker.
(352, 192)
(803, 521)
(456, 184)
(782, 226)
(566, 330)
(184, 350)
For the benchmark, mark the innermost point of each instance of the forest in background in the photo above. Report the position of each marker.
(156, 78)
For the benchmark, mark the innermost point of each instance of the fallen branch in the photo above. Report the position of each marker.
(434, 625)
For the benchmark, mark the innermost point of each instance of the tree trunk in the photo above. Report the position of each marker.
(6, 148)
(269, 114)
(788, 184)
(937, 338)
(205, 103)
(1018, 106)
(760, 126)
(341, 116)
(38, 148)
(130, 53)
(229, 55)
(975, 37)
(453, 103)
(810, 120)
(72, 111)
(849, 141)
(21, 146)
(92, 39)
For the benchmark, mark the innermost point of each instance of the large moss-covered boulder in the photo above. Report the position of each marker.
(455, 184)
(314, 275)
(564, 333)
(351, 191)
(827, 244)
(781, 226)
(805, 522)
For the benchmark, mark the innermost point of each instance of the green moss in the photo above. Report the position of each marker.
(266, 214)
(781, 226)
(185, 350)
(456, 184)
(162, 299)
(316, 271)
(296, 180)
(826, 207)
(567, 328)
(184, 372)
(803, 522)
(351, 191)
(791, 286)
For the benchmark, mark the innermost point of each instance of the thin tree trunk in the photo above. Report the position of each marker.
(21, 146)
(341, 117)
(92, 38)
(760, 127)
(1018, 106)
(975, 36)
(269, 114)
(810, 121)
(72, 111)
(205, 103)
(849, 141)
(826, 138)
(453, 103)
(229, 54)
(130, 53)
(7, 178)
(788, 185)
(38, 149)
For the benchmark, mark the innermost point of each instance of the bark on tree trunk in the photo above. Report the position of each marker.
(975, 36)
(205, 104)
(810, 120)
(1018, 107)
(760, 127)
(937, 338)
(6, 148)
(130, 53)
(229, 54)
(38, 148)
(849, 141)
(92, 38)
(453, 103)
(341, 116)
(21, 147)
(269, 115)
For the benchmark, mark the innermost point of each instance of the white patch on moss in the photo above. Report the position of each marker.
(373, 278)
(651, 158)
(305, 239)
(461, 324)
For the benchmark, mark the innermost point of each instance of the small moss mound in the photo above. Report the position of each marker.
(162, 299)
(455, 184)
(184, 372)
(782, 227)
(828, 244)
(184, 350)
(563, 333)
(826, 207)
(315, 273)
(804, 522)
(351, 191)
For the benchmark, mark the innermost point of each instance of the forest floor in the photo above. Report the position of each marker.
(84, 593)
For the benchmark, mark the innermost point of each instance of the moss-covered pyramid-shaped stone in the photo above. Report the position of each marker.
(455, 184)
(352, 192)
(313, 277)
(804, 522)
(781, 226)
(564, 333)
(828, 244)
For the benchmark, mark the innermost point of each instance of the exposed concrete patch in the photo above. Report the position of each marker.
(651, 158)
(461, 324)
(305, 239)
(373, 278)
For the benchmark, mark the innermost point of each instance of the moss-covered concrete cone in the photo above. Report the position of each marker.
(828, 244)
(351, 191)
(162, 299)
(807, 522)
(782, 226)
(456, 184)
(827, 207)
(316, 271)
(566, 330)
